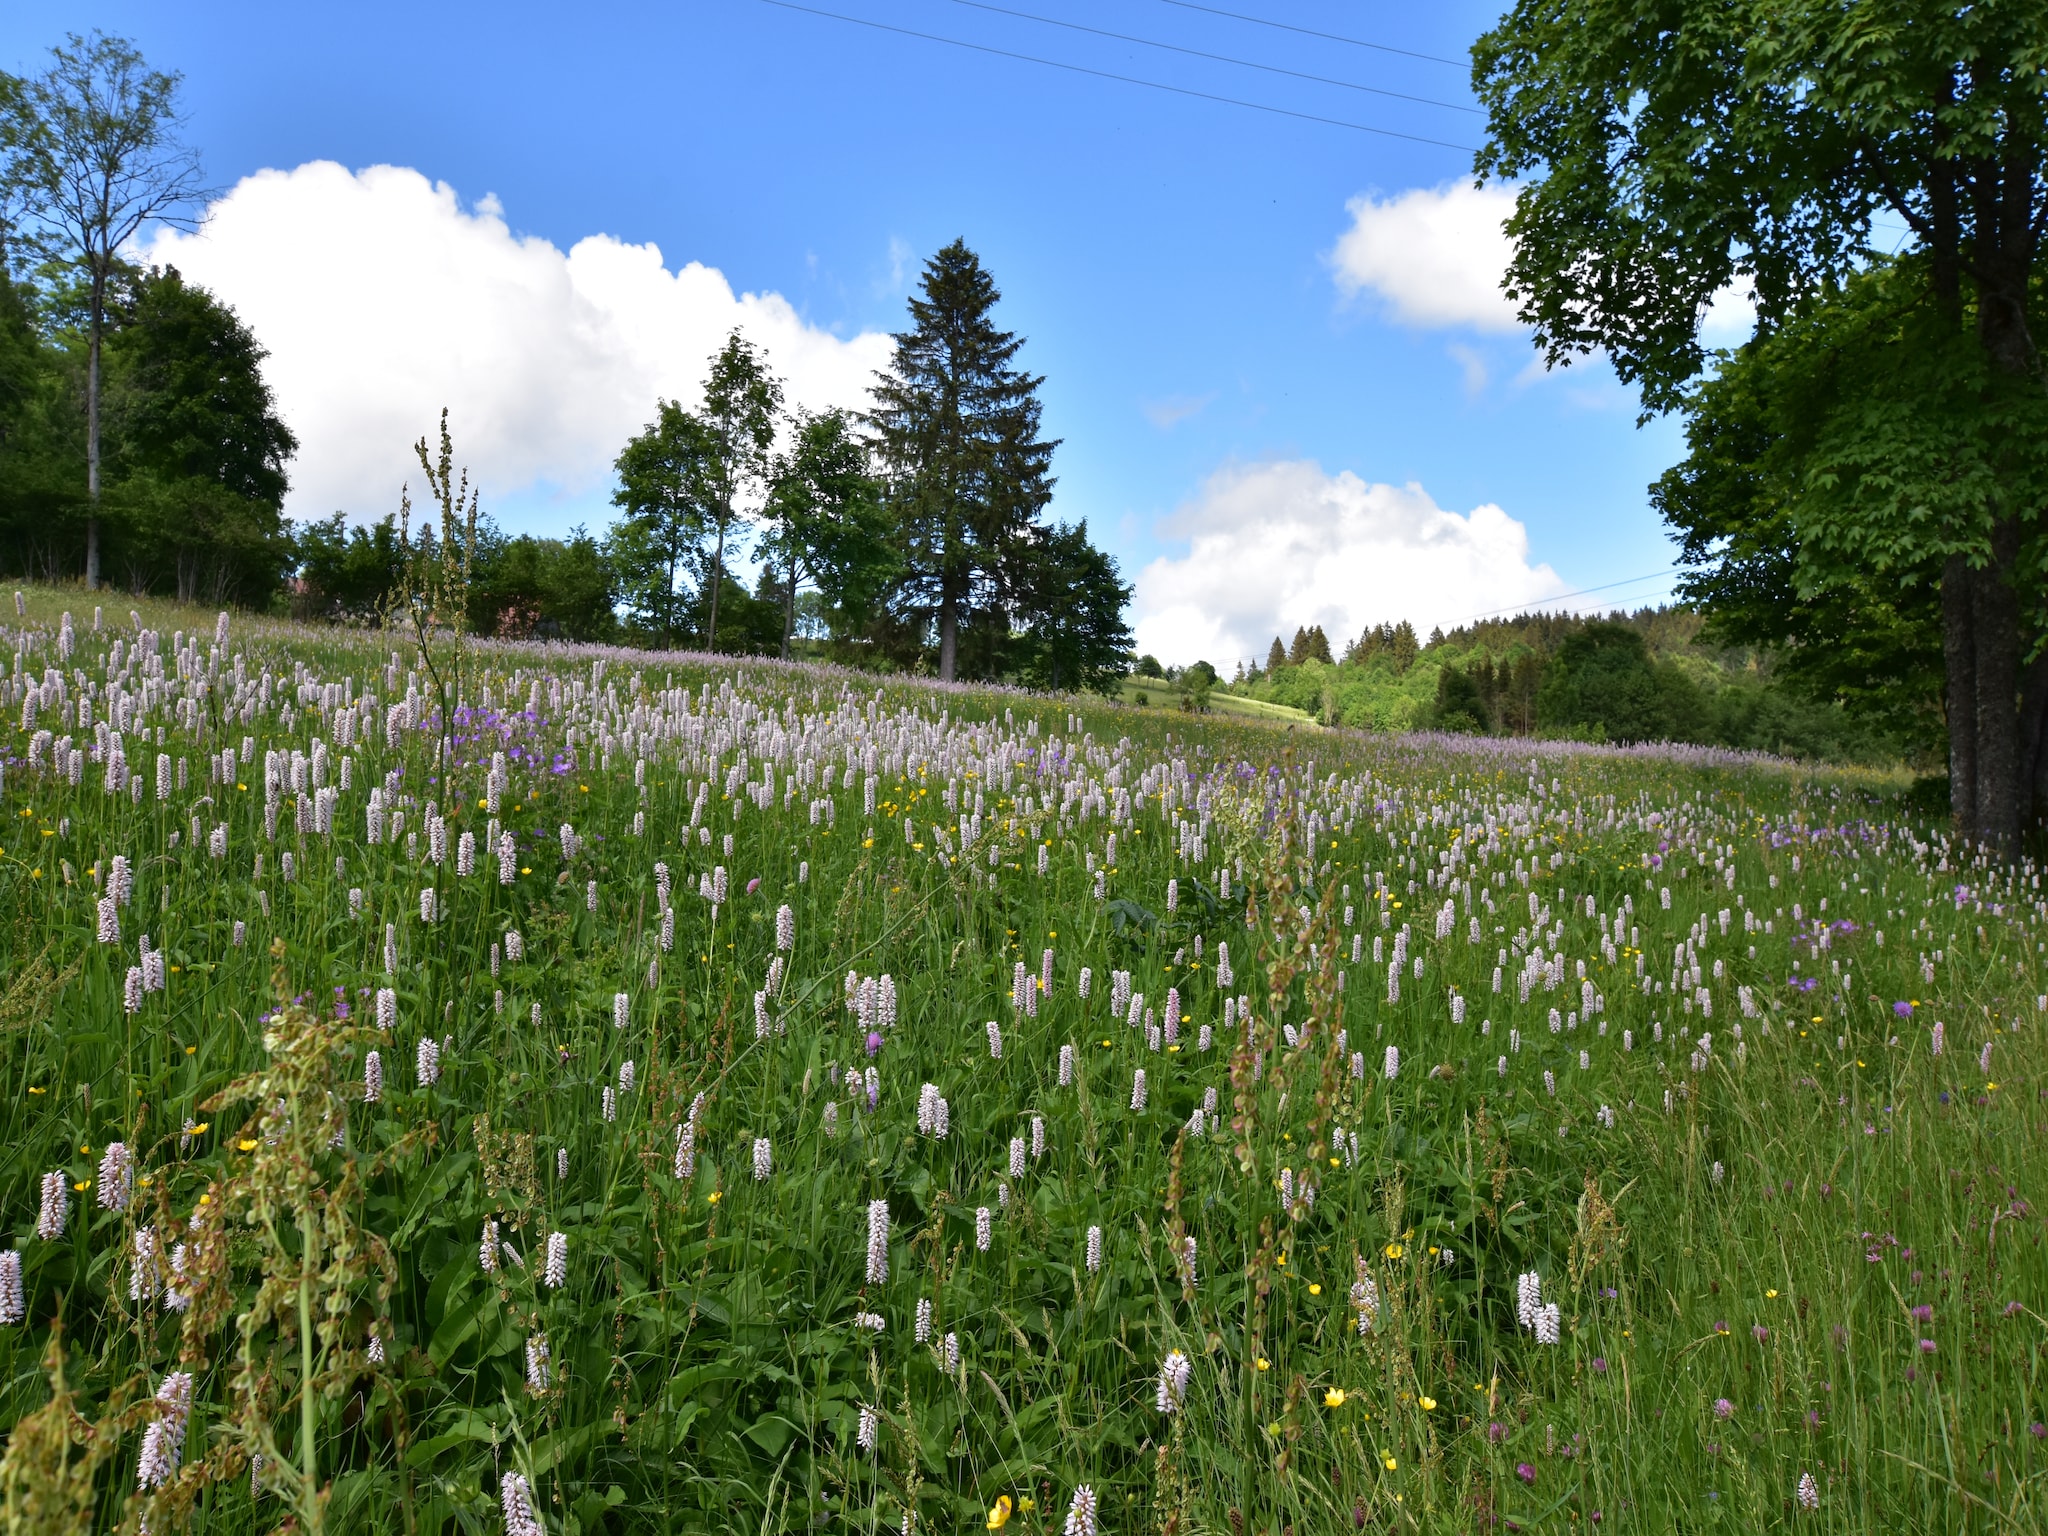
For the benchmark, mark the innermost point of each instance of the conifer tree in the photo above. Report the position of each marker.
(1276, 658)
(956, 429)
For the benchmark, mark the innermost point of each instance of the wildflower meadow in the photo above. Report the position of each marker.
(482, 1087)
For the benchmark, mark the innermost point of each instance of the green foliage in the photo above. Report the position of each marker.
(194, 453)
(1601, 684)
(1887, 434)
(967, 475)
(90, 151)
(1070, 601)
(529, 587)
(1692, 681)
(1396, 642)
(347, 573)
(1312, 644)
(663, 474)
(742, 406)
(827, 524)
(194, 444)
(1833, 464)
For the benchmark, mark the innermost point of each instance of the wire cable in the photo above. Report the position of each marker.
(1529, 607)
(1104, 74)
(1218, 58)
(1328, 37)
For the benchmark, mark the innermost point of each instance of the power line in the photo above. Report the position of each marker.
(1104, 74)
(1562, 596)
(1328, 37)
(1218, 58)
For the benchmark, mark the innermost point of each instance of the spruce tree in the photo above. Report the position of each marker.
(957, 434)
(1276, 658)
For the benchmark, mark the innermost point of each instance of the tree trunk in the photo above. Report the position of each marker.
(1959, 655)
(2033, 779)
(717, 581)
(789, 611)
(95, 323)
(1998, 679)
(2004, 331)
(668, 602)
(949, 632)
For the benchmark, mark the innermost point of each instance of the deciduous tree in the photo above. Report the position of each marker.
(93, 145)
(1672, 153)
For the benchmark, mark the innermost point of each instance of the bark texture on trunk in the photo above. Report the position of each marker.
(1959, 655)
(2034, 738)
(92, 434)
(1999, 807)
(717, 581)
(789, 611)
(949, 634)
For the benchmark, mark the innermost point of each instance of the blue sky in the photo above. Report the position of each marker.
(1175, 263)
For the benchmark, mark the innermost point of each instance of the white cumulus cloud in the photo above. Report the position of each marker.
(1434, 256)
(382, 298)
(1278, 545)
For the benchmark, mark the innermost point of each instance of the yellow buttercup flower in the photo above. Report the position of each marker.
(1428, 1404)
(999, 1516)
(1334, 1398)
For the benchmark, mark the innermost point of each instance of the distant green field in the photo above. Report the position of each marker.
(1162, 695)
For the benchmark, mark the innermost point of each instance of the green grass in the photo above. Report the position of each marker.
(1817, 1174)
(1166, 697)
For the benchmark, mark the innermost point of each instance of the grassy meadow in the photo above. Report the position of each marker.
(579, 1090)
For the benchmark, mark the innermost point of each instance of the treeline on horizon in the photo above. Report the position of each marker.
(913, 539)
(1655, 674)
